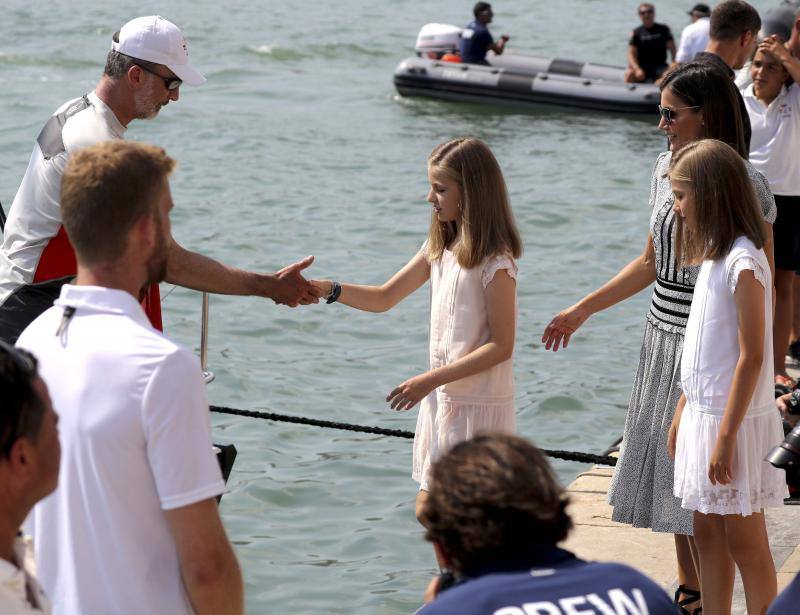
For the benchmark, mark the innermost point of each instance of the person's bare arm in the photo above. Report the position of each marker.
(633, 62)
(382, 298)
(209, 568)
(634, 277)
(769, 248)
(198, 272)
(672, 435)
(500, 45)
(673, 52)
(749, 299)
(501, 309)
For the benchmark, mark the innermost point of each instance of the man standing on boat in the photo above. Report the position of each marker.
(133, 526)
(648, 46)
(476, 39)
(144, 71)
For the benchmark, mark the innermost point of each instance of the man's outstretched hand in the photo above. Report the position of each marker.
(291, 288)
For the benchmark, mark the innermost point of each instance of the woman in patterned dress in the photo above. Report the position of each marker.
(697, 101)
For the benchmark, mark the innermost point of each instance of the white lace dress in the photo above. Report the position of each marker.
(459, 324)
(710, 354)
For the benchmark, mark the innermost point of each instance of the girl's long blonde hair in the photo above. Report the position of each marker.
(726, 206)
(487, 224)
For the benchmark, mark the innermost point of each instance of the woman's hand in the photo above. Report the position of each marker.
(324, 286)
(563, 325)
(720, 468)
(407, 394)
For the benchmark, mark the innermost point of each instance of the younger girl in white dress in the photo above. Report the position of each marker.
(469, 260)
(726, 420)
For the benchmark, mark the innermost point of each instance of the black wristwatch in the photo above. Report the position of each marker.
(336, 290)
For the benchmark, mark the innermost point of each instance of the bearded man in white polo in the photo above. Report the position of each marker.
(133, 526)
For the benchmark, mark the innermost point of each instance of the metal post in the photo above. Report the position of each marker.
(207, 375)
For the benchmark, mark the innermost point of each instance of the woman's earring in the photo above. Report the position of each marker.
(460, 206)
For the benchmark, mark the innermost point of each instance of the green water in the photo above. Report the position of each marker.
(298, 144)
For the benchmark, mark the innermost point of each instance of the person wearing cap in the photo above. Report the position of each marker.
(495, 515)
(133, 526)
(694, 37)
(29, 462)
(144, 71)
(476, 39)
(648, 46)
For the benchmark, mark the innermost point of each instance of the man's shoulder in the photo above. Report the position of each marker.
(122, 336)
(86, 127)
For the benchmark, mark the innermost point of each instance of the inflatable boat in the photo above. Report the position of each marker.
(516, 79)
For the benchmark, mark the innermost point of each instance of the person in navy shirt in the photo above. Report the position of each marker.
(788, 600)
(476, 39)
(495, 514)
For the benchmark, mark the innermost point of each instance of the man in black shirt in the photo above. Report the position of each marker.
(648, 46)
(733, 36)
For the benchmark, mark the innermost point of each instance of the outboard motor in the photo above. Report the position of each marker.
(436, 40)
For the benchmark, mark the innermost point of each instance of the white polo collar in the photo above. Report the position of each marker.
(111, 120)
(102, 300)
(750, 92)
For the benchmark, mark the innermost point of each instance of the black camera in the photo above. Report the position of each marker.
(786, 456)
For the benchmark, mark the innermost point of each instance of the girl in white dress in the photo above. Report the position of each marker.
(469, 258)
(726, 420)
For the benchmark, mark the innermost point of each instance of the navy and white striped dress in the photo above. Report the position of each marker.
(641, 489)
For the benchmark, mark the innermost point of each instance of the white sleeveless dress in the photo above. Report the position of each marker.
(459, 324)
(710, 354)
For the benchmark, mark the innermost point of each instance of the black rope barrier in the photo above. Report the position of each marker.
(605, 460)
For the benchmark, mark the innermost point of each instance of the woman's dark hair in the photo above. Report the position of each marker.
(708, 87)
(22, 410)
(493, 499)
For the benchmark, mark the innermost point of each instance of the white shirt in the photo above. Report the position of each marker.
(18, 584)
(694, 39)
(135, 441)
(35, 214)
(776, 136)
(711, 345)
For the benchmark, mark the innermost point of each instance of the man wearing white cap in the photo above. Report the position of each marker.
(144, 71)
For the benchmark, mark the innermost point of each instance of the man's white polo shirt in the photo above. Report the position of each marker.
(135, 440)
(776, 135)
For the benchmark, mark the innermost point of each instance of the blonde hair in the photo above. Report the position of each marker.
(487, 223)
(105, 190)
(726, 206)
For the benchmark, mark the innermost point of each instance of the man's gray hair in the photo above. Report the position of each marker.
(117, 64)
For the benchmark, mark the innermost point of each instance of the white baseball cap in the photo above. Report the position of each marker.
(154, 39)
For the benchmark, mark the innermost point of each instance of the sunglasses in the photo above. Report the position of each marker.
(169, 82)
(669, 115)
(646, 12)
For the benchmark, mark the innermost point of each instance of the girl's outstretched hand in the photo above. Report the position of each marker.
(720, 468)
(408, 393)
(563, 325)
